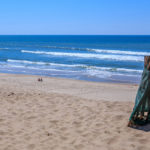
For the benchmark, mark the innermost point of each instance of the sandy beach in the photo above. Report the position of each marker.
(63, 114)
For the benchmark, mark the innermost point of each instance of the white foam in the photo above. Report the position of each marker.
(106, 73)
(110, 69)
(118, 69)
(36, 68)
(42, 63)
(89, 55)
(120, 52)
(98, 73)
(107, 51)
(26, 62)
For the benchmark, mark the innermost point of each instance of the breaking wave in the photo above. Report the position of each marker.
(111, 69)
(108, 51)
(89, 55)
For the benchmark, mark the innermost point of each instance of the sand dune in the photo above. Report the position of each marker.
(62, 114)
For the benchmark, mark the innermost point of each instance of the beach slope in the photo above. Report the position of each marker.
(63, 114)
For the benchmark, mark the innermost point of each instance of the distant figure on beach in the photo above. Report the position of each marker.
(40, 79)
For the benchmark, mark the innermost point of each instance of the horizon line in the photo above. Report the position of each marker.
(78, 34)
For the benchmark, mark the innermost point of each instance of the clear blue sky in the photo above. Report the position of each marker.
(75, 17)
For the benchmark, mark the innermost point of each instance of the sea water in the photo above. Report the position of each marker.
(105, 58)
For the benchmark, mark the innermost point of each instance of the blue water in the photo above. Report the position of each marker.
(92, 58)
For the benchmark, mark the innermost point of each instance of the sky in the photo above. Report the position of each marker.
(74, 17)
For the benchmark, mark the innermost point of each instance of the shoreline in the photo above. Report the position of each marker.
(100, 80)
(34, 75)
(84, 89)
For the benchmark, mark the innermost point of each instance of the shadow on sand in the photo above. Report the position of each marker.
(145, 128)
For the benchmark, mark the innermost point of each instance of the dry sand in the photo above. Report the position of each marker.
(63, 114)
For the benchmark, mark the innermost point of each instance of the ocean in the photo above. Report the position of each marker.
(97, 58)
